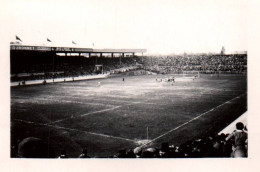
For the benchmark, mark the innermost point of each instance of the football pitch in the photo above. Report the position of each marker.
(125, 114)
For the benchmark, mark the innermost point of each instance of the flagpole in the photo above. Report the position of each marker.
(147, 133)
(53, 56)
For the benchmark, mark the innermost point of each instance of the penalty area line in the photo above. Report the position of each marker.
(72, 129)
(90, 113)
(193, 119)
(129, 102)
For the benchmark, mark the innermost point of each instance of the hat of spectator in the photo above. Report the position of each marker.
(32, 147)
(222, 137)
(148, 154)
(138, 150)
(165, 147)
(85, 150)
(217, 145)
(63, 154)
(150, 150)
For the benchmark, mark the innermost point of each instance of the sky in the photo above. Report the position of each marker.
(160, 26)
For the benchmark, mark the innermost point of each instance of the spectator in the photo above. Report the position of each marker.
(240, 138)
(63, 154)
(164, 151)
(138, 152)
(130, 154)
(121, 154)
(150, 153)
(217, 150)
(32, 147)
(84, 153)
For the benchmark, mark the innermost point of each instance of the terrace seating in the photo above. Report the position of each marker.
(204, 63)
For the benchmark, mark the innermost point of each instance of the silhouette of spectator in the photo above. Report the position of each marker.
(63, 154)
(207, 147)
(185, 149)
(138, 152)
(197, 148)
(32, 147)
(227, 146)
(14, 148)
(240, 138)
(84, 153)
(130, 154)
(150, 153)
(217, 147)
(121, 154)
(239, 152)
(164, 151)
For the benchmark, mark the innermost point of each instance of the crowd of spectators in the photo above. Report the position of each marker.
(222, 145)
(203, 63)
(73, 66)
(63, 67)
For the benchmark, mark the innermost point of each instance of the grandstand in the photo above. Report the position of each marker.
(42, 62)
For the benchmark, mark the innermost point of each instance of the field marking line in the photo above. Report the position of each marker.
(72, 129)
(90, 113)
(81, 102)
(66, 101)
(130, 102)
(107, 99)
(193, 119)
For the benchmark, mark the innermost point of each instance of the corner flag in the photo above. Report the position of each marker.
(17, 38)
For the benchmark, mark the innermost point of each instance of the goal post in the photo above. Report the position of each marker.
(98, 69)
(191, 74)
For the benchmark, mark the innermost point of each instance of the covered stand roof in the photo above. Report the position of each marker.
(73, 49)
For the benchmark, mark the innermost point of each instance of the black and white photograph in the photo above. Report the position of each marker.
(125, 79)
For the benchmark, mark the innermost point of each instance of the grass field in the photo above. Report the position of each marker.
(116, 114)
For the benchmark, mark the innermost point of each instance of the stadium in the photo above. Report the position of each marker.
(121, 103)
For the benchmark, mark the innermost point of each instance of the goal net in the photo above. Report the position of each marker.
(191, 74)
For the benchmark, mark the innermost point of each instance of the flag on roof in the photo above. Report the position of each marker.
(48, 40)
(17, 38)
